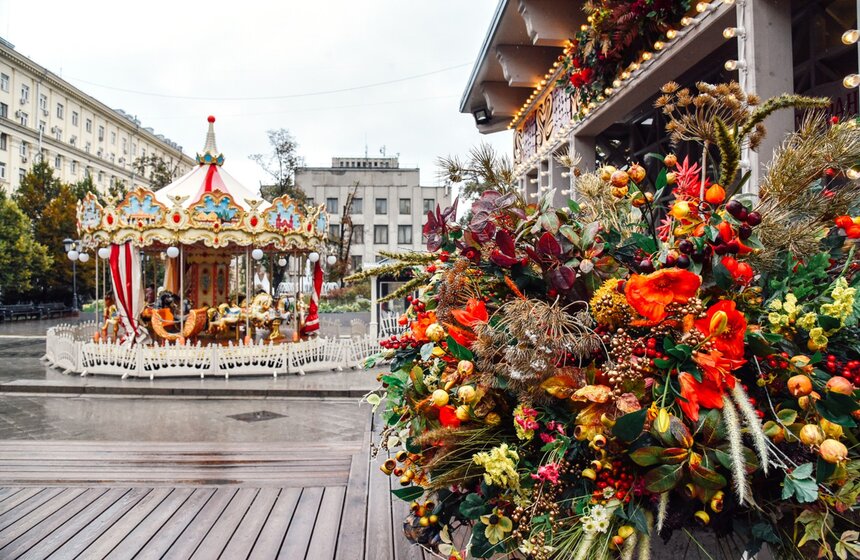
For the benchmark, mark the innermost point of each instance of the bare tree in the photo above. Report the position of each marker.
(281, 165)
(156, 170)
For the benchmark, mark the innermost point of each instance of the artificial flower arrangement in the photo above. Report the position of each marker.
(657, 357)
(618, 31)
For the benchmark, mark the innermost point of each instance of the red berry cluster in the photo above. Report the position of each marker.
(615, 477)
(417, 304)
(850, 369)
(778, 361)
(403, 341)
(649, 352)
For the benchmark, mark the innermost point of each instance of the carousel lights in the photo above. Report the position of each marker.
(658, 45)
(282, 262)
(73, 255)
(702, 7)
(850, 37)
(853, 174)
(732, 65)
(686, 20)
(314, 256)
(257, 254)
(172, 252)
(104, 253)
(330, 260)
(646, 56)
(671, 33)
(83, 257)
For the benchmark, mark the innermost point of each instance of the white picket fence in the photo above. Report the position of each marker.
(71, 348)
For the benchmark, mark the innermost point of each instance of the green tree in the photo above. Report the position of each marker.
(22, 259)
(281, 165)
(86, 185)
(156, 170)
(38, 187)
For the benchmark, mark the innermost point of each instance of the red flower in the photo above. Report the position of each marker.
(742, 272)
(448, 417)
(419, 327)
(650, 294)
(731, 341)
(475, 312)
(850, 225)
(716, 380)
(461, 336)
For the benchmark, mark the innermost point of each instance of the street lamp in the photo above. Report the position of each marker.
(72, 248)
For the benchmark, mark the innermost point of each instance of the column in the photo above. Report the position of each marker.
(766, 50)
(373, 328)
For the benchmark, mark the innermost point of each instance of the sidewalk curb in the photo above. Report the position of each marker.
(178, 391)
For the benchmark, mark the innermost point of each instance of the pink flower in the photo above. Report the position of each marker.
(547, 438)
(547, 473)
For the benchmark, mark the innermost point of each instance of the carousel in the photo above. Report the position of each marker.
(185, 277)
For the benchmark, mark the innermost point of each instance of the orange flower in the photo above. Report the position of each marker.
(731, 341)
(716, 379)
(650, 294)
(419, 327)
(850, 225)
(462, 336)
(475, 312)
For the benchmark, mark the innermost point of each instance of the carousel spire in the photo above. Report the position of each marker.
(210, 153)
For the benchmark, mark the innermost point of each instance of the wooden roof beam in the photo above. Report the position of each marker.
(525, 66)
(550, 23)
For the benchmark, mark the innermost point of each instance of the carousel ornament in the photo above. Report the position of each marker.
(172, 252)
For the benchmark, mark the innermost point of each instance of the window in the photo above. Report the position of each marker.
(42, 126)
(101, 133)
(43, 102)
(404, 235)
(113, 138)
(358, 234)
(23, 118)
(21, 174)
(382, 206)
(355, 262)
(4, 110)
(101, 176)
(405, 206)
(23, 149)
(4, 140)
(89, 125)
(2, 171)
(357, 206)
(58, 162)
(4, 82)
(380, 235)
(429, 205)
(334, 231)
(58, 133)
(61, 111)
(74, 166)
(331, 205)
(25, 94)
(88, 147)
(74, 118)
(124, 146)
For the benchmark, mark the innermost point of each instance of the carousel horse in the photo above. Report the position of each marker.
(163, 324)
(111, 320)
(258, 312)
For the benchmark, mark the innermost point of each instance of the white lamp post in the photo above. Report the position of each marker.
(72, 248)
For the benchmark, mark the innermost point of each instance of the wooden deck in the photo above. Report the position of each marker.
(93, 500)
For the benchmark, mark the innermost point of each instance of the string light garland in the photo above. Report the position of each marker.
(632, 71)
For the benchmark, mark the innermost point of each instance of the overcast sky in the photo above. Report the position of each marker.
(123, 52)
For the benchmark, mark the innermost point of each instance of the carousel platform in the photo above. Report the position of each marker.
(70, 348)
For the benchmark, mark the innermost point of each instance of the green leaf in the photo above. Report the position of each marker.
(663, 478)
(574, 206)
(829, 323)
(674, 455)
(635, 515)
(628, 427)
(823, 470)
(823, 408)
(751, 463)
(410, 445)
(644, 242)
(712, 428)
(706, 478)
(458, 351)
(474, 507)
(570, 234)
(800, 485)
(646, 456)
(661, 180)
(787, 416)
(409, 494)
(765, 532)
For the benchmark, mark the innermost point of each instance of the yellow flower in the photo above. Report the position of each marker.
(776, 305)
(843, 301)
(808, 321)
(497, 526)
(790, 305)
(499, 466)
(775, 319)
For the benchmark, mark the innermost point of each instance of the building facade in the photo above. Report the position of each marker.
(387, 206)
(43, 116)
(769, 47)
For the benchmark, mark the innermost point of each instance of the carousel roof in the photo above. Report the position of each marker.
(206, 206)
(209, 176)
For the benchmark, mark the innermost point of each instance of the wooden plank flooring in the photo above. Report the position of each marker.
(144, 501)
